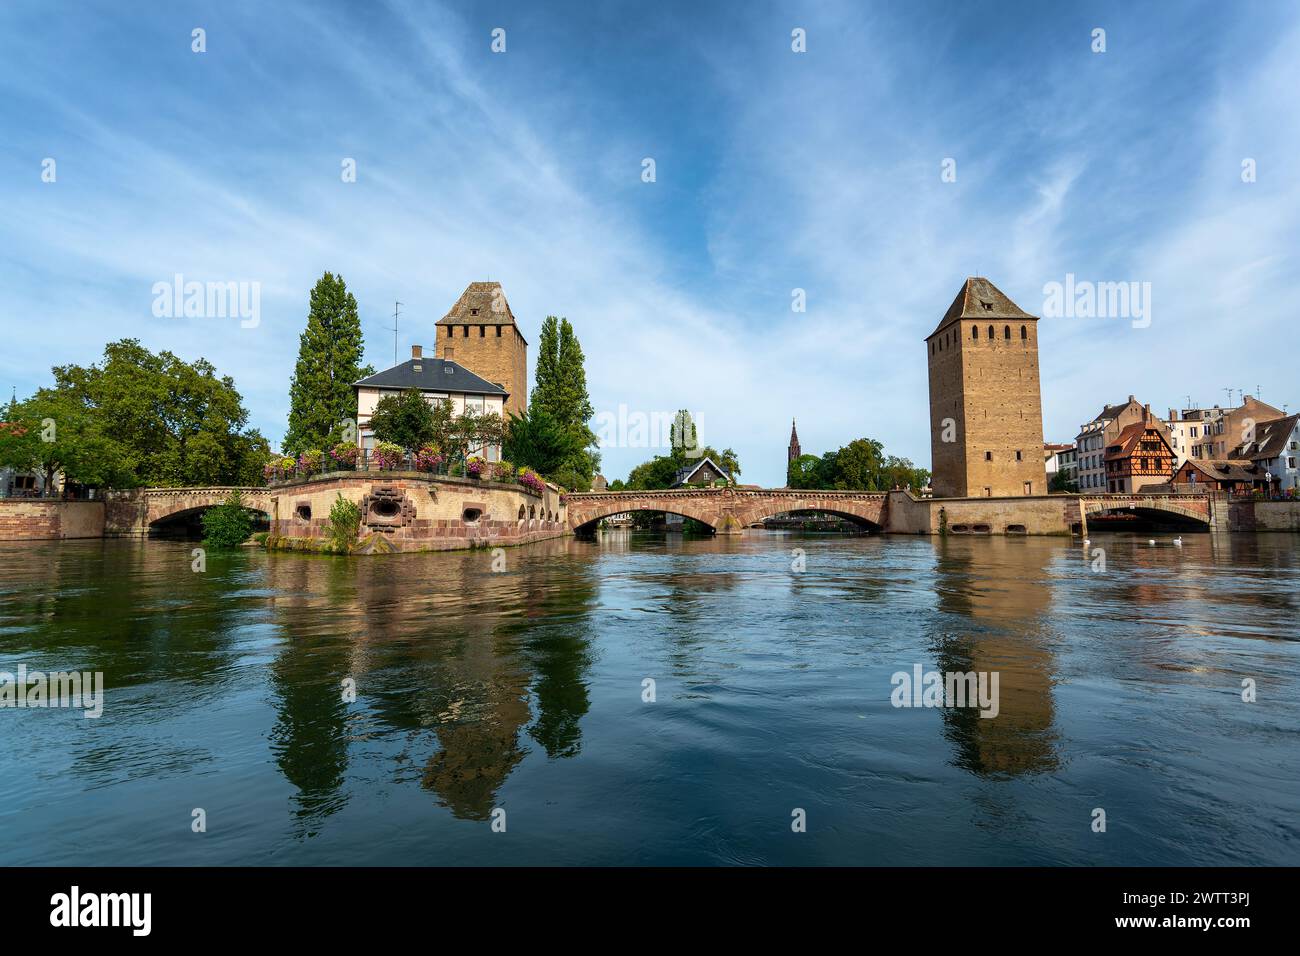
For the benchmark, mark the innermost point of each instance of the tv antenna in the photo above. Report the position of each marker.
(396, 313)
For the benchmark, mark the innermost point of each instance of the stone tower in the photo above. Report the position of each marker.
(986, 414)
(479, 333)
(793, 451)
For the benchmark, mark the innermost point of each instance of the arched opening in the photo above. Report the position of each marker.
(1143, 521)
(654, 522)
(471, 515)
(385, 508)
(188, 523)
(817, 521)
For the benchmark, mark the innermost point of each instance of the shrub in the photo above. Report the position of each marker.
(228, 524)
(344, 524)
(475, 467)
(504, 471)
(387, 455)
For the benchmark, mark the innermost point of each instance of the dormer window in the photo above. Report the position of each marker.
(988, 306)
(473, 311)
(417, 367)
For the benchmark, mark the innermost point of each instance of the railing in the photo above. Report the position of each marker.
(37, 494)
(367, 461)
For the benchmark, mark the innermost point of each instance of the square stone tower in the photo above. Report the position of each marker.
(986, 412)
(480, 334)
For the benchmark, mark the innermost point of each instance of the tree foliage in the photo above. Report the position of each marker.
(409, 420)
(137, 418)
(561, 437)
(661, 471)
(861, 465)
(228, 524)
(321, 398)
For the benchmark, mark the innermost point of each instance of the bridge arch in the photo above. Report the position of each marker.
(585, 520)
(1189, 511)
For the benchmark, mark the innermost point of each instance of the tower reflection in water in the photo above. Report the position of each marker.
(451, 660)
(1001, 605)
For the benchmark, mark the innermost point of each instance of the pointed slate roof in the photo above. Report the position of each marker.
(482, 303)
(980, 299)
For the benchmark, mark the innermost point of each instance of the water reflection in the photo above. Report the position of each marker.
(457, 658)
(997, 591)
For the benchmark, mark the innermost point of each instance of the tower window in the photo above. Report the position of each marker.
(975, 331)
(990, 333)
(1018, 456)
(464, 331)
(482, 331)
(988, 456)
(1024, 333)
(449, 331)
(498, 331)
(1006, 331)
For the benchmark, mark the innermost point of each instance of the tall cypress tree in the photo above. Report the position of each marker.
(561, 392)
(329, 361)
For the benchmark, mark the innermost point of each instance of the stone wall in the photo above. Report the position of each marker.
(1275, 515)
(408, 511)
(1054, 514)
(29, 519)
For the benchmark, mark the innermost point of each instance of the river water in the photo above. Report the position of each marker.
(517, 698)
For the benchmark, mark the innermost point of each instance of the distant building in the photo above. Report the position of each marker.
(1275, 448)
(1059, 460)
(986, 416)
(1140, 456)
(1240, 476)
(793, 452)
(1214, 432)
(1095, 436)
(704, 473)
(439, 380)
(479, 333)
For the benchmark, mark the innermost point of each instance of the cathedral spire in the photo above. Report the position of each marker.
(794, 442)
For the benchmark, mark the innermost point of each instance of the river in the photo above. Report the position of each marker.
(650, 699)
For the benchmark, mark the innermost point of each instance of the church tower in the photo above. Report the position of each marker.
(794, 445)
(479, 333)
(986, 414)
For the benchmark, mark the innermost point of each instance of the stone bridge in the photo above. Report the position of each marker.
(132, 513)
(728, 510)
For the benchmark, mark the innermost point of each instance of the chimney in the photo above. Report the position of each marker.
(1173, 414)
(1146, 413)
(417, 351)
(1131, 399)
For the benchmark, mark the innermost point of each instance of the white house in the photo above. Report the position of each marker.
(1275, 447)
(441, 380)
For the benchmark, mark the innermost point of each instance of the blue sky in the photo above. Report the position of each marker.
(775, 171)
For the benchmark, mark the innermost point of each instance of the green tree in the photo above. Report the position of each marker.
(804, 472)
(147, 419)
(536, 440)
(321, 397)
(228, 524)
(408, 420)
(858, 465)
(560, 391)
(1062, 484)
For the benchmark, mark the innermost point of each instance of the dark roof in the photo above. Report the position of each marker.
(980, 299)
(1111, 412)
(490, 301)
(1270, 441)
(1220, 469)
(434, 375)
(685, 474)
